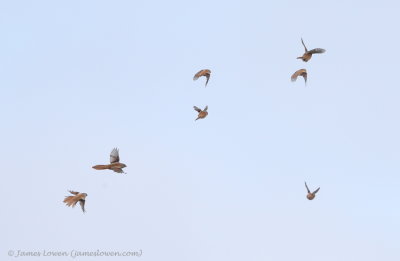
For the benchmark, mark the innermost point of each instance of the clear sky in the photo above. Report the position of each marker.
(79, 78)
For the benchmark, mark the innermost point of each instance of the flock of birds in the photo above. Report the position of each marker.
(117, 166)
(305, 57)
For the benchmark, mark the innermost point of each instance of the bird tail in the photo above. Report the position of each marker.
(100, 167)
(300, 57)
(70, 201)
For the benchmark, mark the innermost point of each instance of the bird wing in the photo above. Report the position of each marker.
(82, 203)
(198, 75)
(305, 48)
(197, 109)
(315, 192)
(316, 50)
(206, 108)
(208, 78)
(118, 170)
(308, 190)
(114, 155)
(73, 192)
(302, 72)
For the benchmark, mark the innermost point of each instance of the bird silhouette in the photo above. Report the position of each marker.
(114, 165)
(308, 54)
(204, 72)
(301, 72)
(78, 197)
(310, 195)
(202, 113)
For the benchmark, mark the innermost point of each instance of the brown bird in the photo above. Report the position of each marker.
(301, 72)
(114, 165)
(204, 72)
(202, 113)
(308, 54)
(72, 200)
(310, 195)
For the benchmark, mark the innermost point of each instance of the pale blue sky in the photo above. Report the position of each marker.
(79, 78)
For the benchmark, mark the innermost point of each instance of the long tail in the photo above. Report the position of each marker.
(70, 201)
(100, 167)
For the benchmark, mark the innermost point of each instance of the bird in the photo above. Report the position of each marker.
(114, 165)
(204, 72)
(308, 54)
(301, 72)
(202, 113)
(310, 195)
(72, 200)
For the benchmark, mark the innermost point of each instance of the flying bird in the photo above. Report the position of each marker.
(310, 195)
(308, 54)
(72, 200)
(202, 113)
(204, 72)
(114, 165)
(301, 72)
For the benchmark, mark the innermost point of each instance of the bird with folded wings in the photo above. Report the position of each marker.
(78, 197)
(114, 165)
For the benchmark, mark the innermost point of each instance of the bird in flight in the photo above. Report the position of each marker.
(72, 200)
(301, 72)
(204, 72)
(310, 195)
(114, 165)
(202, 113)
(308, 54)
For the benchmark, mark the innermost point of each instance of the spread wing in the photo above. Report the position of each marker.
(114, 156)
(308, 190)
(316, 50)
(197, 109)
(302, 72)
(82, 203)
(206, 108)
(73, 192)
(315, 192)
(305, 48)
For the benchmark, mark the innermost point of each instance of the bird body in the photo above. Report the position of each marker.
(205, 72)
(71, 201)
(311, 195)
(114, 165)
(308, 54)
(202, 113)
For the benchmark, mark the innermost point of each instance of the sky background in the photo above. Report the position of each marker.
(79, 78)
